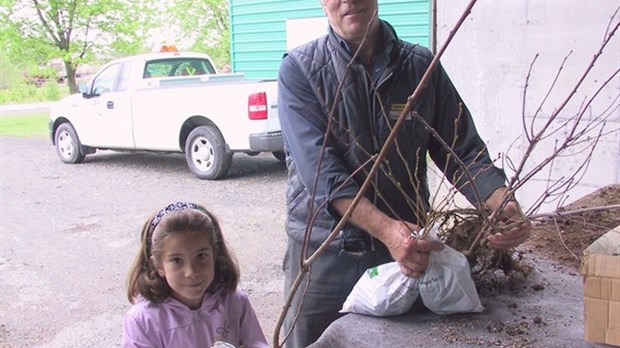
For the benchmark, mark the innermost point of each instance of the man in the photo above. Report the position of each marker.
(369, 95)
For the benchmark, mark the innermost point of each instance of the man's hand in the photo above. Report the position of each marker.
(412, 254)
(512, 228)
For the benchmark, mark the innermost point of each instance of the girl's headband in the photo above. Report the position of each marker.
(178, 206)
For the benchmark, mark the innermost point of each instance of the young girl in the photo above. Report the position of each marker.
(183, 286)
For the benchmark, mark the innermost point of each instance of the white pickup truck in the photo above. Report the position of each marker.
(169, 102)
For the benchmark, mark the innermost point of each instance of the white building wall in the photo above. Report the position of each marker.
(489, 60)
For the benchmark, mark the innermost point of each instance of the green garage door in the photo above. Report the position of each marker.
(261, 30)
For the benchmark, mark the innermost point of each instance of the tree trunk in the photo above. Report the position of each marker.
(71, 67)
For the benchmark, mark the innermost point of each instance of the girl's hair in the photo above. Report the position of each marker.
(179, 217)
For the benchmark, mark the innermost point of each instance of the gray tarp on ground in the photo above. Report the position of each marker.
(544, 310)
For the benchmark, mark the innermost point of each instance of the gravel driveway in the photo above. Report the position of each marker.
(68, 234)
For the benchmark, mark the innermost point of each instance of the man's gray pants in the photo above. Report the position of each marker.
(332, 276)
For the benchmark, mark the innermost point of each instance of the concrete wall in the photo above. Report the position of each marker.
(489, 60)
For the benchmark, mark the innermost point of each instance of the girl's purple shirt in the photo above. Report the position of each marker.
(225, 316)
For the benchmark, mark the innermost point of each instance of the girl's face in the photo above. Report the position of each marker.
(188, 265)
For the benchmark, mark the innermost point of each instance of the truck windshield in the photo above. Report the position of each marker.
(178, 67)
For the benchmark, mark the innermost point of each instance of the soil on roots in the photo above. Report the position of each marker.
(560, 237)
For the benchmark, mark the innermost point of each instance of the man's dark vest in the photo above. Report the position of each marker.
(367, 106)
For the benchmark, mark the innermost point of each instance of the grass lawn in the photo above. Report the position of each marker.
(25, 125)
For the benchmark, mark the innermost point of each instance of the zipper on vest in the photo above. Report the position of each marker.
(375, 143)
(376, 96)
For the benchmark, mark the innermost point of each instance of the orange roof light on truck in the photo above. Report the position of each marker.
(169, 48)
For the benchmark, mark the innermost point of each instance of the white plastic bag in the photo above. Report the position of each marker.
(382, 291)
(447, 286)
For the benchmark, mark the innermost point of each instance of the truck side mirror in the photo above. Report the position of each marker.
(83, 88)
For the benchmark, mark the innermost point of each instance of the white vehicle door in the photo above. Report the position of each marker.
(107, 119)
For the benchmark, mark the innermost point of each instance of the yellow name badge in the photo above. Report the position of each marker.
(395, 111)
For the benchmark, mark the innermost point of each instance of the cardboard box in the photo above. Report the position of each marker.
(601, 289)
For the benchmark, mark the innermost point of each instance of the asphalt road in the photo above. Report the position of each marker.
(17, 109)
(68, 234)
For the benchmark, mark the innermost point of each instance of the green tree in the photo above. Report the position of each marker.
(77, 31)
(206, 24)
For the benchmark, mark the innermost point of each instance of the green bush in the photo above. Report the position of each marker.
(51, 91)
(26, 93)
(20, 86)
(18, 94)
(9, 73)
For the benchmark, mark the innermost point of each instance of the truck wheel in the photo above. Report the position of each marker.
(206, 154)
(68, 146)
